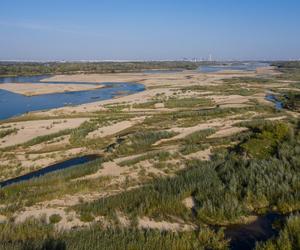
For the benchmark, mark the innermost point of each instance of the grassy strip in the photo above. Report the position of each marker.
(159, 156)
(196, 141)
(141, 141)
(6, 132)
(144, 105)
(188, 102)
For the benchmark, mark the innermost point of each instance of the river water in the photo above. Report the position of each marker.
(52, 168)
(244, 66)
(12, 104)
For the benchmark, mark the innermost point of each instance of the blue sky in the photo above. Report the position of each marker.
(149, 29)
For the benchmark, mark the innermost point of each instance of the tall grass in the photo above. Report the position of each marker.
(188, 102)
(141, 141)
(196, 141)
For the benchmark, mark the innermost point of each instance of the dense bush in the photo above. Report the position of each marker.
(265, 139)
(55, 218)
(113, 239)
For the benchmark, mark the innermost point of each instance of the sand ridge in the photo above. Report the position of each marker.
(33, 89)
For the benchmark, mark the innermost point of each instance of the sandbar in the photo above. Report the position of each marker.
(33, 89)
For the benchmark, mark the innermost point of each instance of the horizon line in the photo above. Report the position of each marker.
(149, 60)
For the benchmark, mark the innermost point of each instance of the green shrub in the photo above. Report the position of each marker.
(265, 139)
(55, 218)
(188, 102)
(86, 217)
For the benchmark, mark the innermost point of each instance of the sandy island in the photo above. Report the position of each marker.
(32, 89)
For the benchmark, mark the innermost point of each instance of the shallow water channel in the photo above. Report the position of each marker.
(13, 104)
(55, 167)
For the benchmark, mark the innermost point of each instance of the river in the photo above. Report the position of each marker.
(52, 168)
(12, 104)
(241, 66)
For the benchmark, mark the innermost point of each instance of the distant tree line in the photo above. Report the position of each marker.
(36, 68)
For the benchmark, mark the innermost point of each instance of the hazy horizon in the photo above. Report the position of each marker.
(144, 31)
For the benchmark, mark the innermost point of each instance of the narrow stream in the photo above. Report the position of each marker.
(272, 98)
(245, 236)
(55, 167)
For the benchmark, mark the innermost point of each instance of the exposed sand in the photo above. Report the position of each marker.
(147, 223)
(189, 202)
(32, 89)
(183, 132)
(229, 99)
(227, 131)
(28, 130)
(3, 219)
(45, 159)
(68, 219)
(159, 80)
(58, 142)
(115, 128)
(203, 155)
(267, 70)
(124, 221)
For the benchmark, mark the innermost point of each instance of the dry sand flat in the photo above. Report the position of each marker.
(147, 223)
(183, 132)
(203, 155)
(45, 159)
(151, 80)
(68, 219)
(227, 131)
(32, 89)
(115, 128)
(28, 130)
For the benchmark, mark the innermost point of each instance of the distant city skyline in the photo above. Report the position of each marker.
(132, 30)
